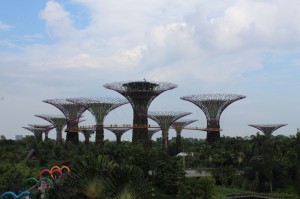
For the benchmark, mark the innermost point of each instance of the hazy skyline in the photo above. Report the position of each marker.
(70, 48)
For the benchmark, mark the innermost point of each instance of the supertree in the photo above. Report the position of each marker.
(87, 134)
(151, 132)
(213, 105)
(58, 121)
(118, 132)
(267, 129)
(72, 112)
(99, 107)
(140, 94)
(178, 126)
(47, 128)
(165, 120)
(38, 132)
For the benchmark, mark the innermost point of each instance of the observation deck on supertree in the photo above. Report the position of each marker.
(99, 107)
(165, 120)
(38, 132)
(118, 132)
(213, 105)
(87, 134)
(58, 122)
(72, 112)
(178, 126)
(267, 129)
(140, 94)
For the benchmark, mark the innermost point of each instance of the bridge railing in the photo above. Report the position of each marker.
(80, 128)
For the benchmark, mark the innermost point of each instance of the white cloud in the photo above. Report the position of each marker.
(4, 26)
(57, 20)
(217, 41)
(247, 24)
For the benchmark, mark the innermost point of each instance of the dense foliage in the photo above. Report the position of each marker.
(256, 163)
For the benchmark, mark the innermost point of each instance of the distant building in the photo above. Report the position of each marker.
(19, 137)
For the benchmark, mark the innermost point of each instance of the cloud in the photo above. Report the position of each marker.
(247, 24)
(58, 21)
(218, 42)
(5, 27)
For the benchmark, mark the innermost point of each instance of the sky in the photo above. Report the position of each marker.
(70, 48)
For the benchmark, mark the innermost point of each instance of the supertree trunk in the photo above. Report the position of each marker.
(213, 136)
(46, 135)
(178, 141)
(99, 134)
(72, 136)
(38, 136)
(59, 137)
(165, 141)
(140, 119)
(118, 138)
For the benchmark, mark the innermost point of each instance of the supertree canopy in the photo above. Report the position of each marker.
(267, 129)
(118, 132)
(165, 120)
(58, 121)
(38, 132)
(213, 105)
(47, 128)
(140, 94)
(178, 126)
(99, 107)
(72, 112)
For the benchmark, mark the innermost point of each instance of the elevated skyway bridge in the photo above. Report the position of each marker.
(150, 126)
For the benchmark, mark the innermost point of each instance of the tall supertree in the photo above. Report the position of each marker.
(47, 128)
(165, 120)
(140, 94)
(118, 132)
(213, 105)
(87, 134)
(178, 126)
(72, 112)
(58, 122)
(267, 129)
(38, 132)
(99, 107)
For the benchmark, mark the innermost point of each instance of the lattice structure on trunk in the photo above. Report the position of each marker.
(140, 94)
(213, 105)
(178, 126)
(38, 132)
(165, 120)
(58, 122)
(267, 129)
(99, 107)
(72, 112)
(118, 132)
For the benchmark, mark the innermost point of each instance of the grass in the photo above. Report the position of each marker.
(221, 192)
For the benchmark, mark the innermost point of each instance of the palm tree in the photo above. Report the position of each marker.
(96, 177)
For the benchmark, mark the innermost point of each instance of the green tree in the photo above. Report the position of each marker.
(197, 188)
